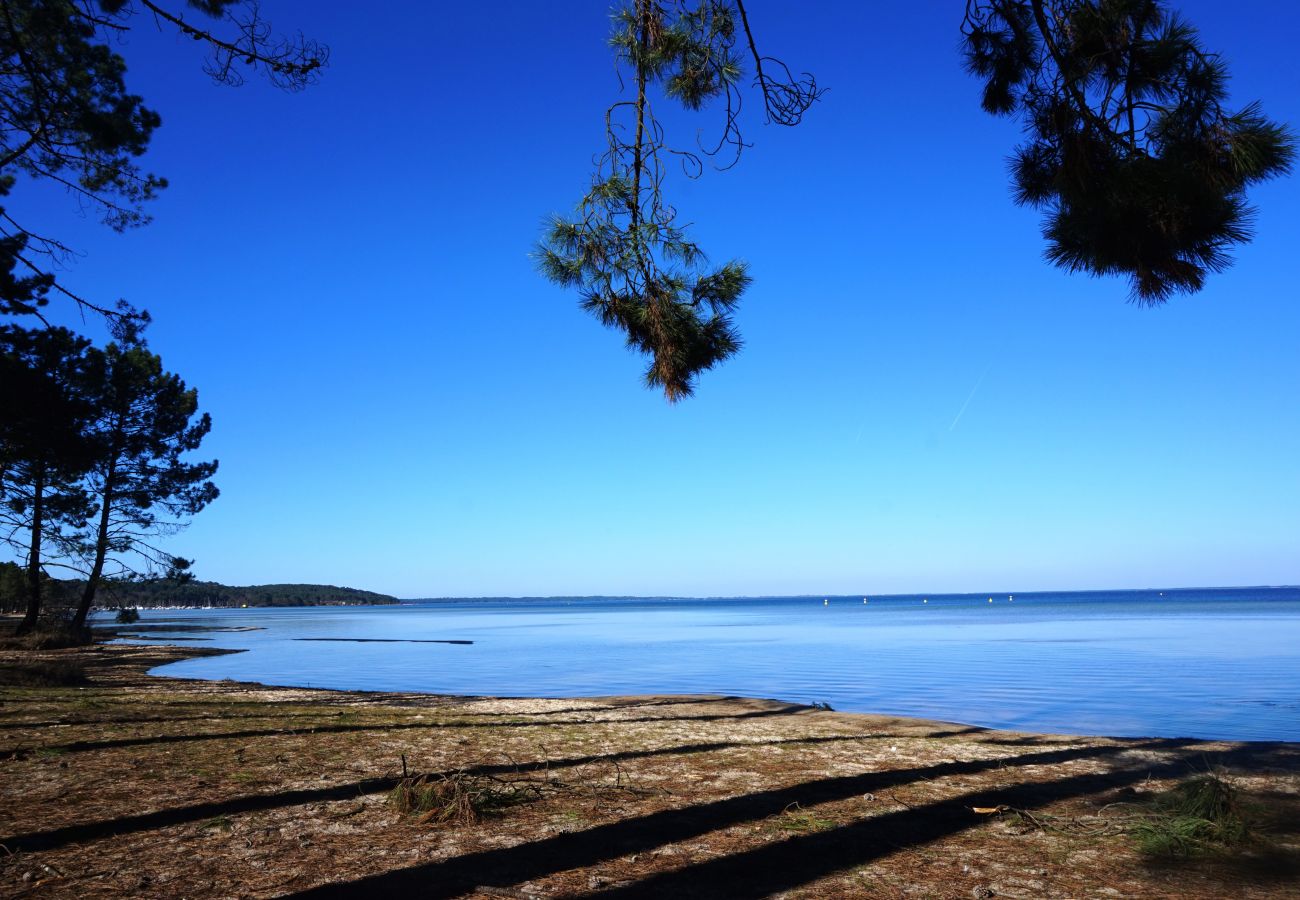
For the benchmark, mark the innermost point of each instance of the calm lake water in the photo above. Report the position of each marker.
(1189, 663)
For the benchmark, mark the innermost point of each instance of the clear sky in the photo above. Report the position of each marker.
(402, 404)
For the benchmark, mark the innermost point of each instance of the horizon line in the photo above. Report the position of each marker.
(1220, 587)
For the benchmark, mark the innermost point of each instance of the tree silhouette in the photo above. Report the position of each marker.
(45, 412)
(144, 423)
(632, 264)
(67, 118)
(1132, 154)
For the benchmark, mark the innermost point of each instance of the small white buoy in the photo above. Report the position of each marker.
(926, 600)
(826, 603)
(990, 599)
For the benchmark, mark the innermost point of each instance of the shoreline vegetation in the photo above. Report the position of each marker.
(165, 593)
(118, 783)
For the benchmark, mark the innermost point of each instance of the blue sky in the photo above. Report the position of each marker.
(402, 404)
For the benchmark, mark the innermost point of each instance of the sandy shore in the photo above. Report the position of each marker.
(137, 786)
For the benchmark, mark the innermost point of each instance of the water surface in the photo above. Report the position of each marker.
(1192, 663)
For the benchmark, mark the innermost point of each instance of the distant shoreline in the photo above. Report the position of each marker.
(305, 605)
(843, 596)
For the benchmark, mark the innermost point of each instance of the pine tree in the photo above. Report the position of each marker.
(45, 411)
(1133, 155)
(69, 120)
(145, 423)
(633, 266)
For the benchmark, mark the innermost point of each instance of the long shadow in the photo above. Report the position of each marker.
(785, 865)
(281, 714)
(537, 859)
(958, 732)
(83, 746)
(73, 834)
(147, 720)
(1256, 865)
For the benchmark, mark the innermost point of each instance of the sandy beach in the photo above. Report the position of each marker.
(130, 785)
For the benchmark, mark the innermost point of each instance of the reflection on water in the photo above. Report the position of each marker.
(1206, 663)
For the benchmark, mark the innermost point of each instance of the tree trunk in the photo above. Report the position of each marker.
(34, 555)
(101, 549)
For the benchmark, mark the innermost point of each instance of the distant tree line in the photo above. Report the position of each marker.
(63, 595)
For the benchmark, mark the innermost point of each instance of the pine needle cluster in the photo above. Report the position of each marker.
(635, 268)
(1131, 152)
(647, 279)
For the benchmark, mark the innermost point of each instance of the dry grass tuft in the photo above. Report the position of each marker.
(1200, 814)
(799, 820)
(458, 798)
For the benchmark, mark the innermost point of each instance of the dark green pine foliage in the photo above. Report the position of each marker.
(45, 411)
(646, 279)
(70, 122)
(13, 587)
(633, 266)
(1132, 154)
(146, 422)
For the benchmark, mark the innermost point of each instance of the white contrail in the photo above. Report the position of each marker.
(970, 398)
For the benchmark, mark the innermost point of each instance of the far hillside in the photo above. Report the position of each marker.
(164, 592)
(204, 593)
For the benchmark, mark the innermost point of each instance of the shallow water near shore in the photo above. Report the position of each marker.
(1218, 664)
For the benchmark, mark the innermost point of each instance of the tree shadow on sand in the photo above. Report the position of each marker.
(771, 868)
(90, 831)
(118, 743)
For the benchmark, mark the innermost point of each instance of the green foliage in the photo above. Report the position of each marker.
(689, 49)
(168, 592)
(633, 267)
(1132, 155)
(217, 823)
(799, 820)
(71, 123)
(45, 410)
(146, 421)
(13, 586)
(644, 279)
(1198, 815)
(91, 457)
